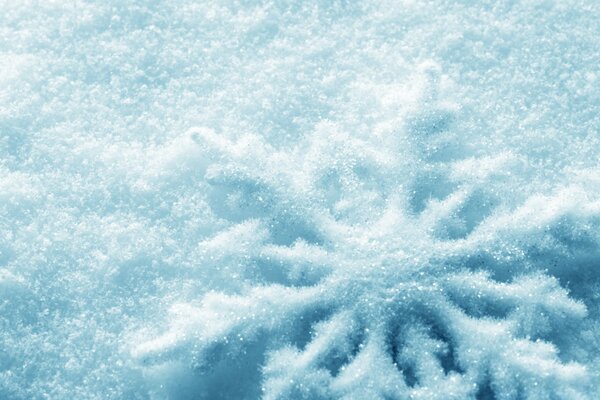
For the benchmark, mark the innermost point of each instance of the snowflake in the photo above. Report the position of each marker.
(370, 265)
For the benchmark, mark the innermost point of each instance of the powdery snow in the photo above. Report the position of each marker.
(293, 200)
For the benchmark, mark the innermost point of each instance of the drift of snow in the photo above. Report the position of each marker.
(286, 200)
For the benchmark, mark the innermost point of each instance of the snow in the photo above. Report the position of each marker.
(299, 200)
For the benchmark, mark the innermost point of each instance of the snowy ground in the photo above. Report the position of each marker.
(299, 200)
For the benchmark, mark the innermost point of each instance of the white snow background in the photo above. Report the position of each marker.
(300, 200)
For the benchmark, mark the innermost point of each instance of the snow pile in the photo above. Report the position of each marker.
(284, 200)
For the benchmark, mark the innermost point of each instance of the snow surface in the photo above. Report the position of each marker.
(299, 200)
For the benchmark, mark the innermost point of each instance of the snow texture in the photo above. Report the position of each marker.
(300, 200)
